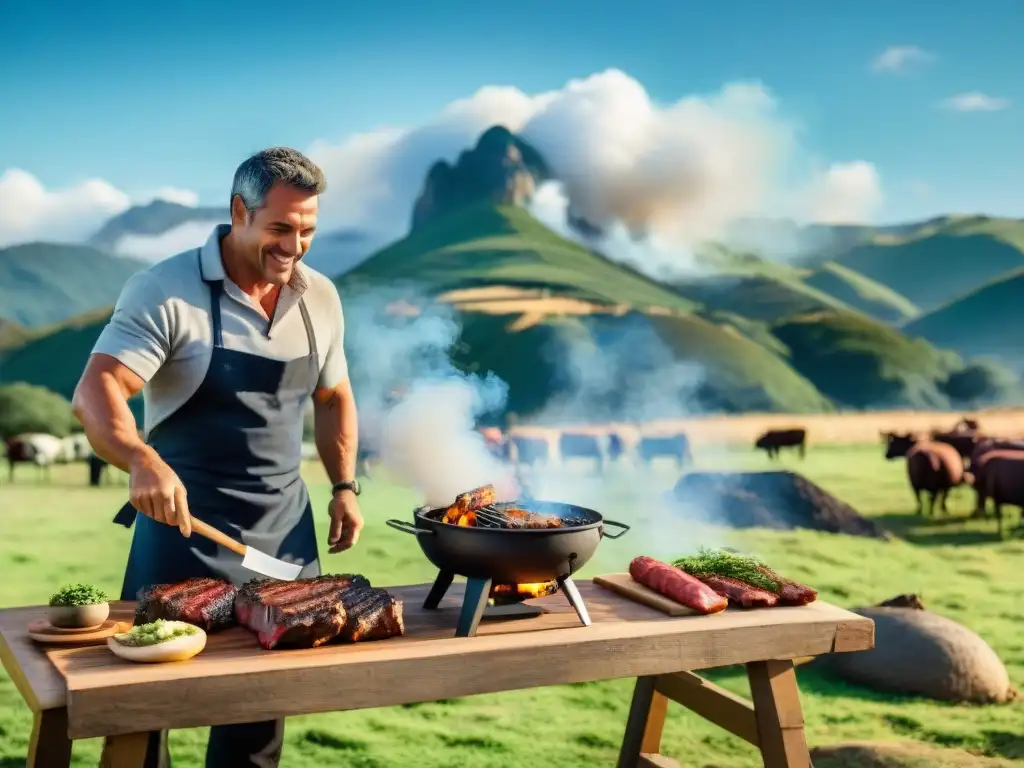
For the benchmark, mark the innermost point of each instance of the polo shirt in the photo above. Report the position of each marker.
(161, 326)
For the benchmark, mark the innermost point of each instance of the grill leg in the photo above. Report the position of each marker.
(441, 583)
(477, 592)
(573, 596)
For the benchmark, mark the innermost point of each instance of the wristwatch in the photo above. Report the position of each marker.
(347, 485)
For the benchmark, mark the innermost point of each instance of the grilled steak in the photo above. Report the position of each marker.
(469, 502)
(302, 613)
(207, 603)
(371, 614)
(740, 593)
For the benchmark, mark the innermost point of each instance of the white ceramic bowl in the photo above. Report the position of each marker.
(176, 649)
(78, 616)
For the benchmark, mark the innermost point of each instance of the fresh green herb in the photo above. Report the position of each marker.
(155, 632)
(748, 569)
(78, 594)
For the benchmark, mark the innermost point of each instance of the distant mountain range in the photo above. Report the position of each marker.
(853, 317)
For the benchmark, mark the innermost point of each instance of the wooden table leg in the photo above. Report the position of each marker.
(780, 718)
(642, 740)
(49, 746)
(125, 751)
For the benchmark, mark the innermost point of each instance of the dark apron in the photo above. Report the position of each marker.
(236, 444)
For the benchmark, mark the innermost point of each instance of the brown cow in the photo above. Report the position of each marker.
(774, 439)
(932, 467)
(981, 465)
(1000, 476)
(963, 441)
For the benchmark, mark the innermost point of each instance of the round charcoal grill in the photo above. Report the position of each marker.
(497, 550)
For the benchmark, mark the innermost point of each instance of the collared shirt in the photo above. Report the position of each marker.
(161, 327)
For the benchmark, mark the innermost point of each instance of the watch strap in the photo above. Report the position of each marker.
(346, 485)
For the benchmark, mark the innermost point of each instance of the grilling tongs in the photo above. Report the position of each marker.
(253, 559)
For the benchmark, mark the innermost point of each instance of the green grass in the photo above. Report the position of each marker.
(62, 532)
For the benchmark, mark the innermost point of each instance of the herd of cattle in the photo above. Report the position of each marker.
(603, 449)
(941, 461)
(43, 450)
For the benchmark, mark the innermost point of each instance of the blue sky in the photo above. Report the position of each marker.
(147, 95)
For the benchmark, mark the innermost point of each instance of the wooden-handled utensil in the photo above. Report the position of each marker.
(253, 559)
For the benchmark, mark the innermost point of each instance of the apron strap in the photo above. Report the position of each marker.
(309, 328)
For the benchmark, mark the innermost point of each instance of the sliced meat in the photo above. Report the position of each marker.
(790, 592)
(741, 593)
(676, 584)
(306, 624)
(205, 602)
(470, 501)
(372, 614)
(257, 600)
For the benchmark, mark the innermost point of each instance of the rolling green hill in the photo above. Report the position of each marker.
(986, 322)
(503, 245)
(757, 297)
(861, 363)
(44, 283)
(941, 260)
(11, 334)
(861, 293)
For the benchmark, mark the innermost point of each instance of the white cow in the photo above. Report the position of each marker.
(36, 448)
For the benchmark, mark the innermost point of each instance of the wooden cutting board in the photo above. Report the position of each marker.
(43, 632)
(623, 584)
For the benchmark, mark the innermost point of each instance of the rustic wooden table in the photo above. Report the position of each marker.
(85, 691)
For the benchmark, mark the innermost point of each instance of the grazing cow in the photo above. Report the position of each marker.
(37, 448)
(674, 446)
(97, 468)
(995, 459)
(932, 467)
(775, 439)
(529, 450)
(616, 446)
(1001, 479)
(964, 442)
(581, 445)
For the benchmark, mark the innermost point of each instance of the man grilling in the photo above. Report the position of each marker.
(228, 342)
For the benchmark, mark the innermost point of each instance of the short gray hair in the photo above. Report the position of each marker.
(257, 174)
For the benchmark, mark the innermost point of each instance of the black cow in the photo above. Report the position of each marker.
(581, 445)
(530, 450)
(775, 439)
(674, 446)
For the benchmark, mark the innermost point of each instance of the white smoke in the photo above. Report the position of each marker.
(660, 179)
(416, 409)
(191, 234)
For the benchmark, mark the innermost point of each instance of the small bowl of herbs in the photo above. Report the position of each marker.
(78, 606)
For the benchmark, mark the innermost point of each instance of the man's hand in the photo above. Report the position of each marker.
(157, 492)
(346, 522)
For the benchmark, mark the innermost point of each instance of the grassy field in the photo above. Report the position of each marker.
(62, 531)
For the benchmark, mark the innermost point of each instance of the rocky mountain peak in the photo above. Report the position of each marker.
(502, 169)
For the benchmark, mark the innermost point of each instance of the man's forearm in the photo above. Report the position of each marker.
(336, 432)
(100, 404)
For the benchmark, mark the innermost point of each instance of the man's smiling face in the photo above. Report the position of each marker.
(275, 236)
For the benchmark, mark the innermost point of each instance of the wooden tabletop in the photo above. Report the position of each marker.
(234, 680)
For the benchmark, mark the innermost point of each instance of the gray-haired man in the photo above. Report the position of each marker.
(228, 342)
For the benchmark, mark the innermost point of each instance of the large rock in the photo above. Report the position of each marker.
(922, 653)
(501, 169)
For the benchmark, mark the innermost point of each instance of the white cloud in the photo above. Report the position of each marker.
(974, 101)
(680, 172)
(29, 211)
(900, 59)
(191, 234)
(846, 193)
(685, 168)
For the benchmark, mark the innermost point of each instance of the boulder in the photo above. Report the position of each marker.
(921, 653)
